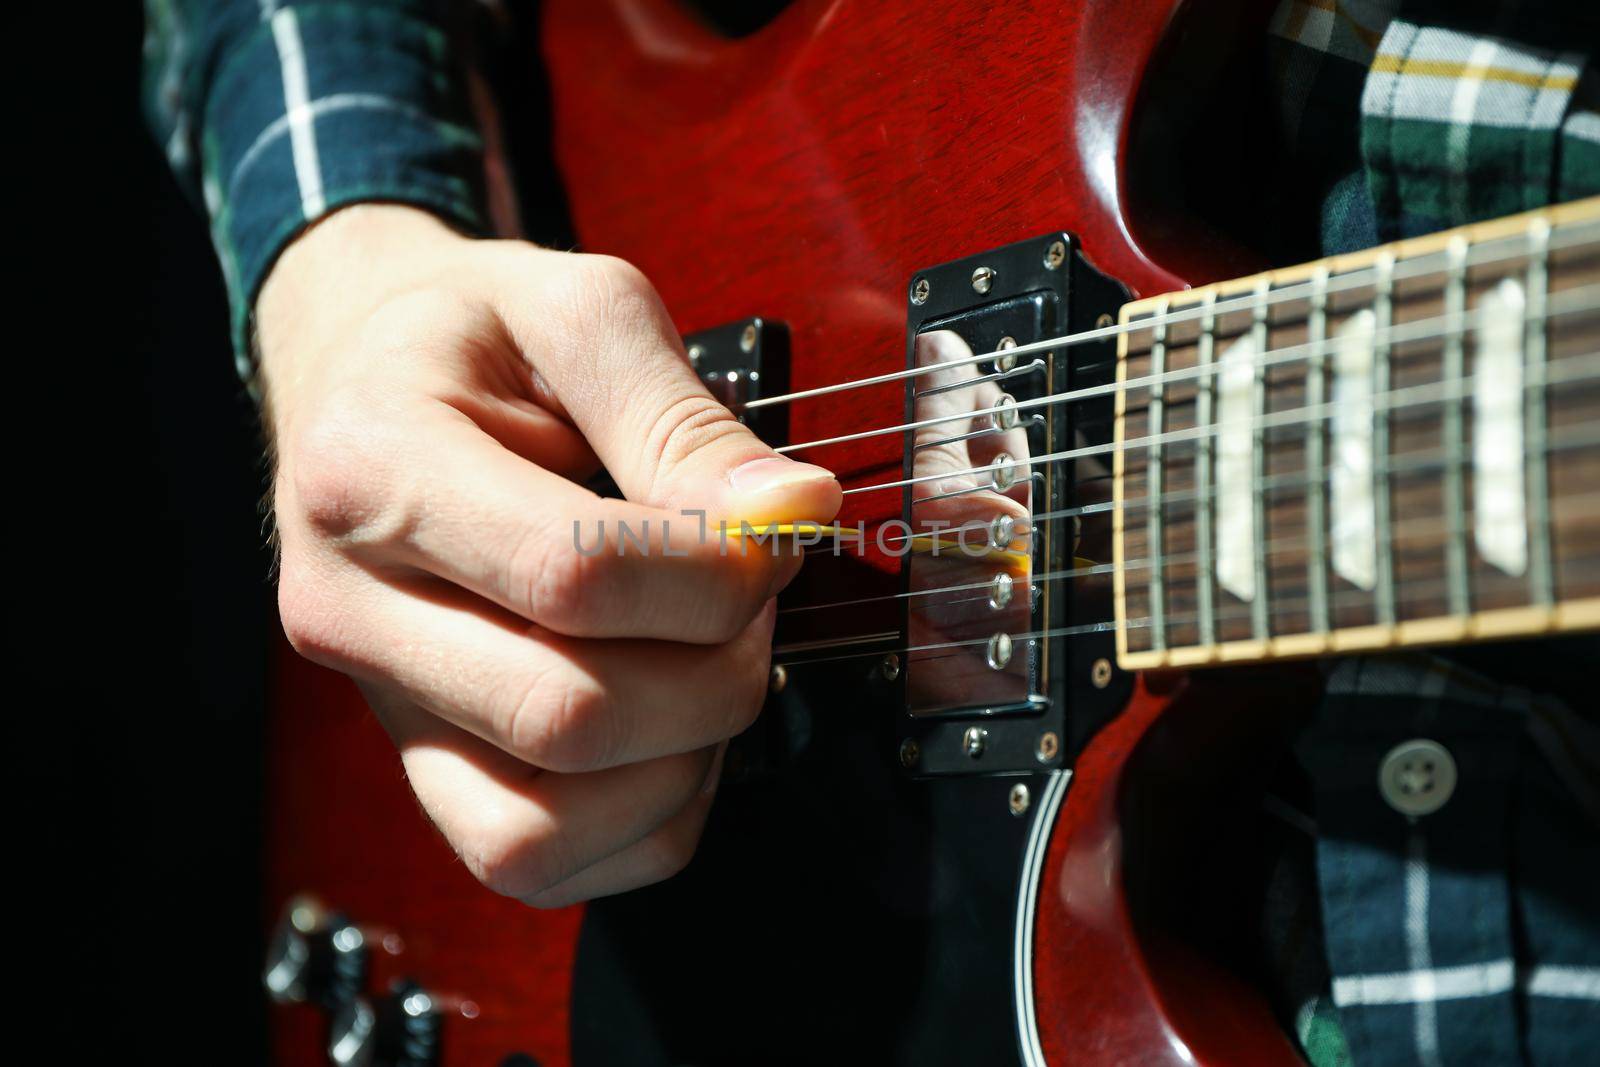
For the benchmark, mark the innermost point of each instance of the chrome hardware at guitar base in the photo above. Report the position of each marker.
(400, 1029)
(316, 956)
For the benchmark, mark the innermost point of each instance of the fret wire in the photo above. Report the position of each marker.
(1541, 589)
(1453, 368)
(1383, 307)
(1205, 512)
(1316, 436)
(1402, 463)
(1260, 617)
(1154, 412)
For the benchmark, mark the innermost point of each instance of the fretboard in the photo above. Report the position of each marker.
(1396, 447)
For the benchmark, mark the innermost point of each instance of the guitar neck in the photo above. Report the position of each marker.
(1399, 447)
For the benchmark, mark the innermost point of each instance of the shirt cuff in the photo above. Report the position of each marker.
(325, 105)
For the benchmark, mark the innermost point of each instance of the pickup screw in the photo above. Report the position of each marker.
(1055, 255)
(999, 651)
(1000, 591)
(1005, 363)
(1100, 673)
(919, 291)
(890, 667)
(1006, 417)
(1049, 744)
(1103, 321)
(696, 353)
(1019, 799)
(779, 679)
(1005, 475)
(1002, 531)
(974, 740)
(747, 339)
(982, 280)
(910, 752)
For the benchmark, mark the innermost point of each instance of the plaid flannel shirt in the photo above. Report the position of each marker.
(276, 113)
(1470, 933)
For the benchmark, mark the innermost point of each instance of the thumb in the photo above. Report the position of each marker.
(624, 380)
(724, 468)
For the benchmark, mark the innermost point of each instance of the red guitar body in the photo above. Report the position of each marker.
(804, 173)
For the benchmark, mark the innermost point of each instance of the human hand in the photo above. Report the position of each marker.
(434, 401)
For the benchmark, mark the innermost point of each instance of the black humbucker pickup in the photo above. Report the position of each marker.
(1005, 668)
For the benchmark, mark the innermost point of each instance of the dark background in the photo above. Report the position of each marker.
(154, 606)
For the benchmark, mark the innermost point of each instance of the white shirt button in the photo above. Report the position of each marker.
(1417, 777)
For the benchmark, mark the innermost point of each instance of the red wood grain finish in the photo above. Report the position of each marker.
(802, 173)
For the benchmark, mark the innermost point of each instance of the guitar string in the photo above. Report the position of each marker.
(1416, 589)
(1577, 300)
(1411, 462)
(1337, 600)
(1391, 400)
(1561, 237)
(1266, 483)
(1414, 461)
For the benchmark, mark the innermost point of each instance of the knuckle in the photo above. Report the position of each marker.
(560, 723)
(505, 858)
(685, 426)
(611, 292)
(562, 587)
(620, 284)
(339, 461)
(309, 619)
(547, 582)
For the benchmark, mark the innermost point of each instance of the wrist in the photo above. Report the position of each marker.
(332, 277)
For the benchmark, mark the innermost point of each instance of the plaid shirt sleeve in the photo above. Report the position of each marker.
(1419, 115)
(277, 112)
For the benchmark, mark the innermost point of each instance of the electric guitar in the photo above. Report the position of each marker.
(1094, 492)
